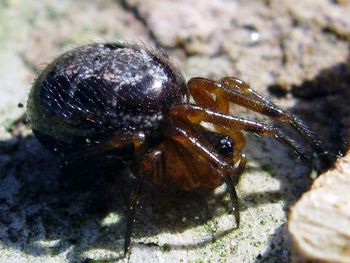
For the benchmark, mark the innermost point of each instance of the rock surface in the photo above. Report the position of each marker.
(296, 54)
(320, 222)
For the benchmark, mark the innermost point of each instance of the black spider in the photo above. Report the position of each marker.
(122, 97)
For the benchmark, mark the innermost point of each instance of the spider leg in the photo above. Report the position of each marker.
(195, 114)
(151, 163)
(117, 141)
(190, 138)
(147, 165)
(83, 158)
(234, 90)
(120, 144)
(233, 194)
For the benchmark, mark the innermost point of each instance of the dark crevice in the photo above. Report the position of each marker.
(180, 45)
(136, 13)
(329, 29)
(331, 81)
(277, 90)
(281, 42)
(328, 95)
(303, 92)
(322, 104)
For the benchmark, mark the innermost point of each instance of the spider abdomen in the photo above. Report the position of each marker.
(98, 90)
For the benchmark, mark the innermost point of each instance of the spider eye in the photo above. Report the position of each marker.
(223, 144)
(226, 146)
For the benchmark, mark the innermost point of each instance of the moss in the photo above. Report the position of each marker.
(267, 168)
(52, 13)
(3, 4)
(88, 260)
(166, 248)
(196, 261)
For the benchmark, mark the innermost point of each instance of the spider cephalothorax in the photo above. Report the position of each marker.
(101, 97)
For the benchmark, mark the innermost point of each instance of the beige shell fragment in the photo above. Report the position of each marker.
(320, 222)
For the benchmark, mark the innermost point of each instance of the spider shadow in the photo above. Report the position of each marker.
(45, 213)
(41, 214)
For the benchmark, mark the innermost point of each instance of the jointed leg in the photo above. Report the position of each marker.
(134, 201)
(117, 142)
(195, 114)
(150, 164)
(234, 90)
(192, 139)
(184, 114)
(230, 184)
(202, 91)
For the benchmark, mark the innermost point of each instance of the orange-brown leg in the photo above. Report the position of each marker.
(191, 138)
(195, 115)
(202, 91)
(234, 90)
(207, 93)
(120, 144)
(118, 141)
(150, 164)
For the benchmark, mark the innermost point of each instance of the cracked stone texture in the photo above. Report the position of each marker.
(296, 54)
(323, 212)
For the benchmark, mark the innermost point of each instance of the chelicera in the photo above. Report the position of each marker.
(130, 99)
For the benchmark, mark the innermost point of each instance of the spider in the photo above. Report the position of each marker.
(131, 100)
